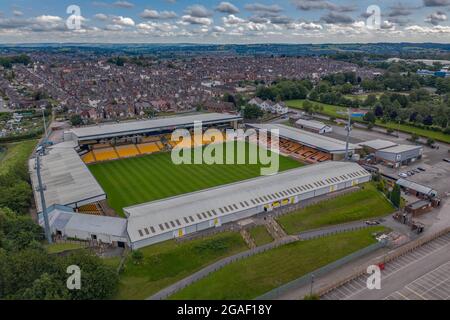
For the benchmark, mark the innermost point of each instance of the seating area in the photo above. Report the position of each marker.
(127, 151)
(105, 154)
(149, 148)
(89, 158)
(92, 208)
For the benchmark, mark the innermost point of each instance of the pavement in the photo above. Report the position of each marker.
(401, 273)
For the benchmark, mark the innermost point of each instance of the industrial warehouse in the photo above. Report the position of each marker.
(392, 154)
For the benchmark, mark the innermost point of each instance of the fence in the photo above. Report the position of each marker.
(217, 266)
(306, 279)
(387, 258)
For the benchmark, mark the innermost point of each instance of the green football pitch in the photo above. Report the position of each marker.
(143, 179)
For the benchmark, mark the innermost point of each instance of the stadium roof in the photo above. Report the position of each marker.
(144, 126)
(401, 148)
(61, 218)
(378, 144)
(168, 215)
(66, 178)
(417, 187)
(307, 138)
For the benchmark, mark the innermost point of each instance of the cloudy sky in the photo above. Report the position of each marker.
(234, 21)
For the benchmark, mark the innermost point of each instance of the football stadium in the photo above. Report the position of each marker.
(116, 183)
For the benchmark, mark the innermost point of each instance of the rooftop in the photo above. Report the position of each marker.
(417, 187)
(378, 144)
(66, 178)
(311, 123)
(143, 126)
(154, 218)
(401, 148)
(307, 138)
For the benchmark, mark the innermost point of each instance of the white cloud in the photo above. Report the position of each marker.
(123, 21)
(154, 14)
(188, 19)
(101, 16)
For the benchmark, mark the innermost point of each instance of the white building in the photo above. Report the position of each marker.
(314, 126)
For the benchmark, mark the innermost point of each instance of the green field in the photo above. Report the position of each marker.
(260, 235)
(142, 179)
(436, 135)
(168, 262)
(340, 112)
(62, 247)
(251, 277)
(14, 154)
(363, 204)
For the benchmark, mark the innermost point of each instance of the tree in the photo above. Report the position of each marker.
(370, 117)
(76, 120)
(378, 111)
(252, 112)
(396, 196)
(16, 196)
(98, 281)
(46, 287)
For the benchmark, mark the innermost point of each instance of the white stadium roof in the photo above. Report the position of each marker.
(143, 126)
(168, 215)
(307, 138)
(66, 178)
(378, 144)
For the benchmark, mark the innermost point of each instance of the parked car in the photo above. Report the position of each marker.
(421, 169)
(403, 175)
(446, 160)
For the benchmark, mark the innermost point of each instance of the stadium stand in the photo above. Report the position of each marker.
(101, 145)
(152, 139)
(105, 154)
(89, 158)
(149, 148)
(127, 151)
(92, 208)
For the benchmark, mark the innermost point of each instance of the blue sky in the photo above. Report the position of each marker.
(211, 21)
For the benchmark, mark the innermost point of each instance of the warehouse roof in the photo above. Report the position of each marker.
(98, 224)
(311, 124)
(417, 187)
(378, 144)
(63, 218)
(154, 218)
(401, 148)
(143, 126)
(307, 138)
(66, 178)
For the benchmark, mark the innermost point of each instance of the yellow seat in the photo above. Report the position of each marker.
(105, 154)
(148, 148)
(88, 158)
(127, 151)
